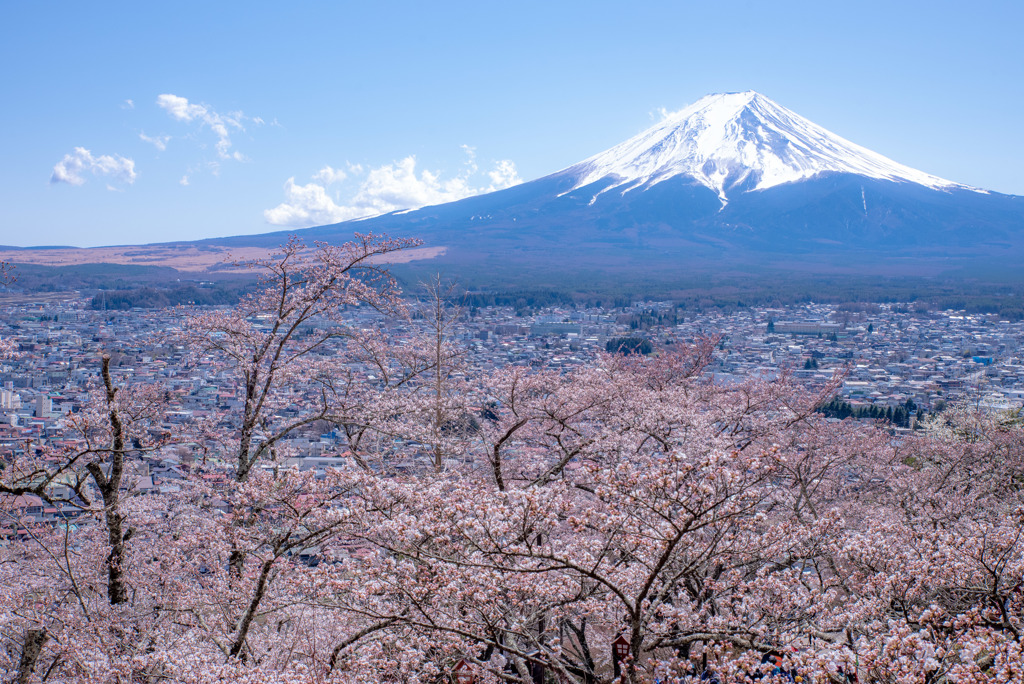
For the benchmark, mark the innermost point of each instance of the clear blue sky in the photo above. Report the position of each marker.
(244, 106)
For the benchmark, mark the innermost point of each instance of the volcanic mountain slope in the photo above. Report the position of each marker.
(731, 182)
(734, 179)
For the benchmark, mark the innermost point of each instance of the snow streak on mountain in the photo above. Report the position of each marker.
(737, 142)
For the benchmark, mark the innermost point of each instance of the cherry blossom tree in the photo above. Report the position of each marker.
(935, 574)
(273, 337)
(440, 413)
(615, 500)
(87, 478)
(291, 350)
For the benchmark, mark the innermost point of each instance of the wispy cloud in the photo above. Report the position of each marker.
(128, 104)
(390, 187)
(159, 141)
(72, 168)
(221, 124)
(660, 114)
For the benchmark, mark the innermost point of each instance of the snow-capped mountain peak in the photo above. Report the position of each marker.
(737, 142)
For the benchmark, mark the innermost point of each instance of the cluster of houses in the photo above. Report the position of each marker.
(888, 354)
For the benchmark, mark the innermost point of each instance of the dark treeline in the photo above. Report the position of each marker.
(126, 286)
(697, 294)
(35, 278)
(154, 298)
(692, 293)
(491, 283)
(629, 345)
(900, 416)
(519, 299)
(1006, 306)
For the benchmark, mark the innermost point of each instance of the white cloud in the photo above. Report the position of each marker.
(128, 104)
(71, 168)
(159, 141)
(387, 188)
(329, 175)
(181, 109)
(504, 175)
(183, 181)
(397, 186)
(306, 205)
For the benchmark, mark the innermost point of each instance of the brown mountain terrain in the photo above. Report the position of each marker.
(186, 257)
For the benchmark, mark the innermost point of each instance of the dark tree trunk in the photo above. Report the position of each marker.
(254, 604)
(110, 486)
(35, 639)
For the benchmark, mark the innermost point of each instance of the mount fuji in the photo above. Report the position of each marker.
(739, 142)
(733, 180)
(733, 184)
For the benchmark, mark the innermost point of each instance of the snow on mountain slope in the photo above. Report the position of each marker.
(739, 142)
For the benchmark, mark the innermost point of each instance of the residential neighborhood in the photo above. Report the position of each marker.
(887, 355)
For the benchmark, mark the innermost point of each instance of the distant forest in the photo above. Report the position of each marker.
(918, 295)
(124, 287)
(157, 298)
